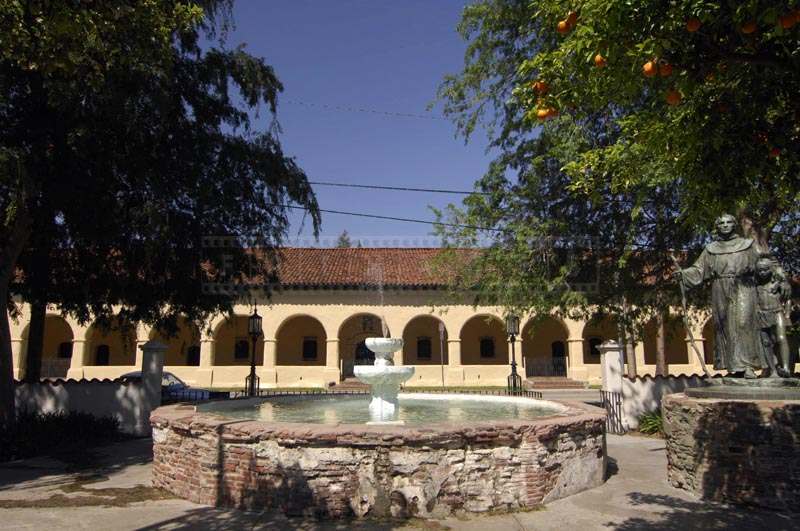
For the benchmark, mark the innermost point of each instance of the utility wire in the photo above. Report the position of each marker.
(347, 108)
(397, 188)
(391, 218)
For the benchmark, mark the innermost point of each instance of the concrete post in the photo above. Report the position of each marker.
(206, 353)
(612, 366)
(152, 370)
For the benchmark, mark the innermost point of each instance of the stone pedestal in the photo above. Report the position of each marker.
(735, 451)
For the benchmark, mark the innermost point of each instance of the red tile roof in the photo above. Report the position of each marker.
(350, 267)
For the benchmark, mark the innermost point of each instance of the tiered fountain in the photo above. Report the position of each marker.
(384, 378)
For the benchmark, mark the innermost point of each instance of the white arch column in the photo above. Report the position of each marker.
(576, 369)
(80, 354)
(268, 371)
(204, 374)
(333, 363)
(17, 359)
(455, 372)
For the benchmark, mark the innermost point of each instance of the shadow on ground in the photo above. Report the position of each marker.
(679, 514)
(210, 518)
(94, 463)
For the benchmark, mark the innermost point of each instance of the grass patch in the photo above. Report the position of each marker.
(652, 423)
(55, 434)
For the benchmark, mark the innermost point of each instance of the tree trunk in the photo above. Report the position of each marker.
(661, 345)
(6, 365)
(35, 342)
(628, 351)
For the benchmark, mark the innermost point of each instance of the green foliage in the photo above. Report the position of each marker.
(35, 434)
(652, 423)
(620, 179)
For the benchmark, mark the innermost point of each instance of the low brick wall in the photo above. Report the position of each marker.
(745, 452)
(359, 470)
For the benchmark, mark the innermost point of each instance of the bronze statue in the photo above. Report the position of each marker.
(729, 263)
(772, 316)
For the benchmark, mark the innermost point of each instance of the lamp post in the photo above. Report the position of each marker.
(512, 329)
(252, 382)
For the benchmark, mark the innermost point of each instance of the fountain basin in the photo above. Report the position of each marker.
(338, 469)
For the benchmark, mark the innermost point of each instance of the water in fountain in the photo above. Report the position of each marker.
(383, 376)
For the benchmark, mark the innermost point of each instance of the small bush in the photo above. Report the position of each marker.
(36, 434)
(652, 423)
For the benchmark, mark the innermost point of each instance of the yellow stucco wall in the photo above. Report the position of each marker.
(336, 317)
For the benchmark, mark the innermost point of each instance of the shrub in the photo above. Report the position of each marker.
(36, 434)
(652, 423)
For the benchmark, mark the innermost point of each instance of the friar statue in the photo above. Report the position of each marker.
(729, 264)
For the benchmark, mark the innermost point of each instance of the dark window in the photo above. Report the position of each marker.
(557, 349)
(310, 348)
(193, 356)
(487, 347)
(102, 355)
(595, 342)
(241, 350)
(65, 349)
(424, 349)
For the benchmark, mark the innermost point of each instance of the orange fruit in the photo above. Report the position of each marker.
(545, 113)
(788, 20)
(693, 24)
(572, 18)
(774, 153)
(599, 61)
(650, 69)
(749, 27)
(552, 113)
(761, 137)
(563, 27)
(541, 87)
(673, 97)
(665, 70)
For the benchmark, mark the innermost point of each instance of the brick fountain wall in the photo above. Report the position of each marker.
(365, 471)
(735, 451)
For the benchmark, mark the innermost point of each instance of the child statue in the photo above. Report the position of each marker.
(772, 316)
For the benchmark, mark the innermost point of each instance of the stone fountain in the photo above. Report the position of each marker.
(384, 378)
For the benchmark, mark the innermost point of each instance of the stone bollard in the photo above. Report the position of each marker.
(152, 371)
(612, 366)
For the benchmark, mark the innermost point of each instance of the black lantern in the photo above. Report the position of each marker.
(512, 329)
(512, 325)
(254, 324)
(252, 382)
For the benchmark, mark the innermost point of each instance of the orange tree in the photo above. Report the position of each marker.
(623, 127)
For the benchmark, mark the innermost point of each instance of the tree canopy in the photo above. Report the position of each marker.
(623, 129)
(126, 143)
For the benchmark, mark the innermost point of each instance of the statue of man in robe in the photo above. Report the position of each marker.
(729, 264)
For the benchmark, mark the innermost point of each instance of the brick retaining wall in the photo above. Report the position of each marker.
(745, 452)
(358, 470)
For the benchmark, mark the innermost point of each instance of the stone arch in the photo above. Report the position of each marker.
(56, 346)
(480, 334)
(422, 344)
(596, 331)
(112, 343)
(544, 346)
(352, 333)
(676, 351)
(301, 340)
(232, 344)
(183, 346)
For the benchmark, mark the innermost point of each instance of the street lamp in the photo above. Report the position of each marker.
(512, 329)
(252, 382)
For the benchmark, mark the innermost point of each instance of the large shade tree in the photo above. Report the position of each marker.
(127, 141)
(623, 129)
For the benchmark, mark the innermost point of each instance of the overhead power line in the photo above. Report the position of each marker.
(347, 108)
(392, 218)
(397, 188)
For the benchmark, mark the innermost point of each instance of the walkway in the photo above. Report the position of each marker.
(113, 493)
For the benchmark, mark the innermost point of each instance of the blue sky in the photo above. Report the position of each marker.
(383, 55)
